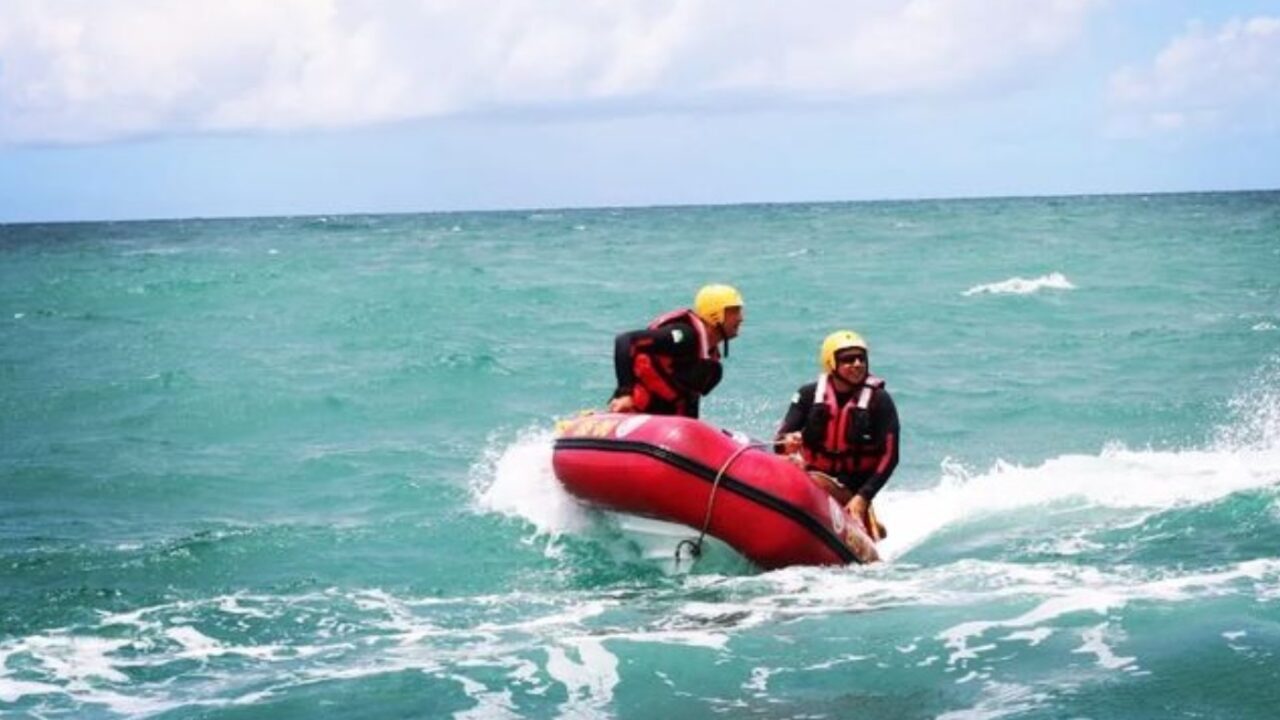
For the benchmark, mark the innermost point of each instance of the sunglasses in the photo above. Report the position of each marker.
(850, 359)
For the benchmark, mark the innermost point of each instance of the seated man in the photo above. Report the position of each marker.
(845, 427)
(666, 368)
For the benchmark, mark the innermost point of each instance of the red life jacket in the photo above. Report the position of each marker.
(847, 445)
(655, 374)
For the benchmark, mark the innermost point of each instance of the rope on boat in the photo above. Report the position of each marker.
(695, 546)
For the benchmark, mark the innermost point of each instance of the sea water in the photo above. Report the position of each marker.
(300, 467)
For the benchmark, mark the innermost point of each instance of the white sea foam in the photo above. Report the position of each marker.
(1023, 286)
(579, 643)
(198, 646)
(76, 657)
(78, 666)
(490, 705)
(959, 637)
(1095, 643)
(999, 700)
(195, 644)
(11, 691)
(233, 605)
(589, 682)
(1032, 637)
(517, 480)
(758, 684)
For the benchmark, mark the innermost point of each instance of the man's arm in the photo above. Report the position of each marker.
(622, 364)
(884, 421)
(793, 422)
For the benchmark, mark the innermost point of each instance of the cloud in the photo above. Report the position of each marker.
(1226, 78)
(98, 70)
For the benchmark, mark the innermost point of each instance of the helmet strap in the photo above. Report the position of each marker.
(725, 336)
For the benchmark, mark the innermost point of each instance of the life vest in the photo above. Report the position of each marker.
(656, 374)
(847, 445)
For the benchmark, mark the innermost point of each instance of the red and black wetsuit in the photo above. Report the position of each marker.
(667, 367)
(852, 436)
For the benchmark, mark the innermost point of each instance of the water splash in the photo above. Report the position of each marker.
(517, 480)
(1255, 412)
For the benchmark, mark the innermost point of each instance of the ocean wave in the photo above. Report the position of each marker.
(1145, 481)
(1242, 455)
(1022, 286)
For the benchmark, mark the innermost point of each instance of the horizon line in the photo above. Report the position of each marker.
(638, 206)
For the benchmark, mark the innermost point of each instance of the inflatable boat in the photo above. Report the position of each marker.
(715, 482)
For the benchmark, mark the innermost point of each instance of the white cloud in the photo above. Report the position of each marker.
(1223, 78)
(96, 70)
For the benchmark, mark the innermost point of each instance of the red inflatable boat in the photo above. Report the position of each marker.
(685, 471)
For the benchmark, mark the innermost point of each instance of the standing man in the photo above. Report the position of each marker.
(666, 368)
(845, 427)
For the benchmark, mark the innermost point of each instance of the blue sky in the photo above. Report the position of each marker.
(119, 109)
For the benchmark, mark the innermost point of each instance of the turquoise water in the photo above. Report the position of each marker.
(294, 467)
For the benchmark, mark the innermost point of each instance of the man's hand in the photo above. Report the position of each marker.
(858, 508)
(790, 443)
(622, 404)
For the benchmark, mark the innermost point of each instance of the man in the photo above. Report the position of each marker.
(666, 368)
(845, 427)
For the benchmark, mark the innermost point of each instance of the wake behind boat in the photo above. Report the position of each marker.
(685, 471)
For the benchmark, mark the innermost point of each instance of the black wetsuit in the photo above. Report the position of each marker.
(879, 440)
(675, 344)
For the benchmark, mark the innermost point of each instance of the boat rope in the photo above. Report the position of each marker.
(695, 546)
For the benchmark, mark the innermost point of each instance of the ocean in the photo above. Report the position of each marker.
(299, 467)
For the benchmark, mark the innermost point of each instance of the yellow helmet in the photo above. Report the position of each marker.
(712, 300)
(835, 342)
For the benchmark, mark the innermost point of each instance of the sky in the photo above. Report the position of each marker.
(133, 109)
